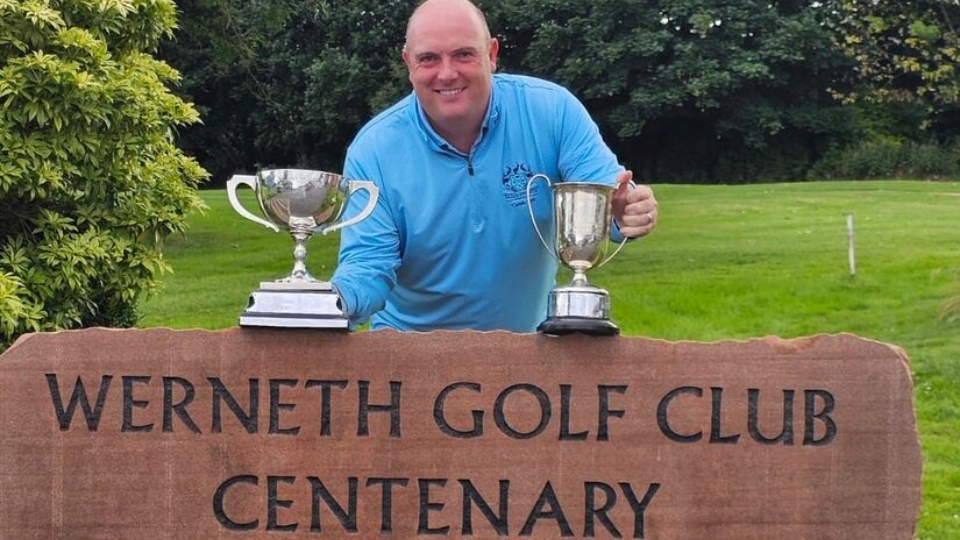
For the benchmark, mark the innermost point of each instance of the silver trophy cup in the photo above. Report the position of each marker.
(302, 202)
(582, 213)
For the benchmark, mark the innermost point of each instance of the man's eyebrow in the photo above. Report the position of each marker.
(425, 54)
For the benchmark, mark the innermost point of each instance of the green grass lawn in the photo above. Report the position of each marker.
(727, 262)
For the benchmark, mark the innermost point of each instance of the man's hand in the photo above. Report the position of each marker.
(634, 207)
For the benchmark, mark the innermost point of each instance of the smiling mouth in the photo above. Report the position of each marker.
(451, 92)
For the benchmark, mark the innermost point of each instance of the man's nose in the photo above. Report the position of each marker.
(447, 69)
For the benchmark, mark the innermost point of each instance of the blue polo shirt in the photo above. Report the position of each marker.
(450, 243)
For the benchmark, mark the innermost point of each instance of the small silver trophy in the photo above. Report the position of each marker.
(581, 237)
(301, 202)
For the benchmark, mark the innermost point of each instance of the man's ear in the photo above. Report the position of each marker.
(494, 49)
(407, 61)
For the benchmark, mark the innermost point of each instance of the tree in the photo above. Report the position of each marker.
(286, 82)
(91, 181)
(685, 90)
(690, 90)
(908, 49)
(907, 55)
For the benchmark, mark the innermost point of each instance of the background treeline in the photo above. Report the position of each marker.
(693, 91)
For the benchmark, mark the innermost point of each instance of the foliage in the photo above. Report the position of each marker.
(683, 90)
(682, 86)
(905, 50)
(675, 85)
(905, 91)
(285, 82)
(906, 55)
(890, 158)
(91, 181)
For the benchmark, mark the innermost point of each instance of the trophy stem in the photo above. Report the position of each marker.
(579, 277)
(300, 272)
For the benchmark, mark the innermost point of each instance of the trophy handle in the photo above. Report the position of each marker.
(622, 242)
(533, 218)
(371, 203)
(251, 181)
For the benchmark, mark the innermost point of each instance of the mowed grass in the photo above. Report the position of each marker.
(726, 262)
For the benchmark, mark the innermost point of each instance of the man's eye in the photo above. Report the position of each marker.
(427, 60)
(465, 55)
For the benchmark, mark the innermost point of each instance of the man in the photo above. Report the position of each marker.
(451, 244)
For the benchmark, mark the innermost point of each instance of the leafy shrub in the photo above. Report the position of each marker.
(888, 159)
(91, 180)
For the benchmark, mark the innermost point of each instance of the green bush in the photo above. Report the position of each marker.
(91, 181)
(889, 159)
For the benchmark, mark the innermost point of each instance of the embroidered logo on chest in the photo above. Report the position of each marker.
(515, 184)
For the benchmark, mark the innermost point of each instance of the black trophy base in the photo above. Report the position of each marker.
(291, 308)
(561, 326)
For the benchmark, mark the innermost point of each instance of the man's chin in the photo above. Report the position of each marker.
(446, 114)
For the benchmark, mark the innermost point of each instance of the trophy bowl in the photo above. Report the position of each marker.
(301, 202)
(582, 213)
(582, 217)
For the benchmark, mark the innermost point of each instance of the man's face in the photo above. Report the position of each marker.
(451, 63)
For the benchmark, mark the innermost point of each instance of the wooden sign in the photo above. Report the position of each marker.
(255, 434)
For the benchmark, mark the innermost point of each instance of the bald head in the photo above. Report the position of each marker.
(451, 58)
(431, 10)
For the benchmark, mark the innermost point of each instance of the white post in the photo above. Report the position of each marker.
(851, 252)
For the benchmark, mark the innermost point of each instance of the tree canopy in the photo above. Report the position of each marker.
(684, 90)
(698, 83)
(906, 50)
